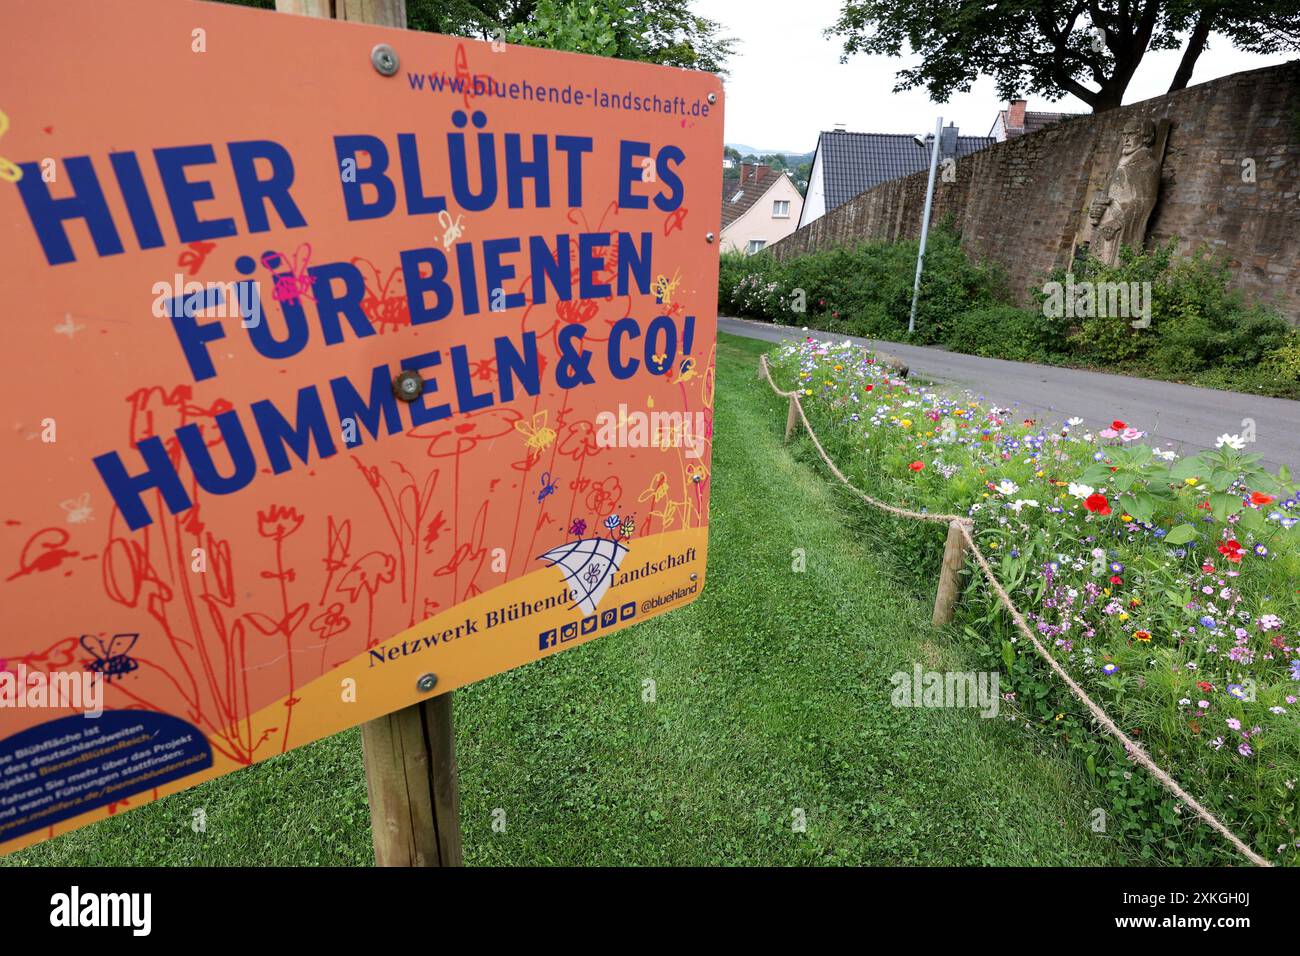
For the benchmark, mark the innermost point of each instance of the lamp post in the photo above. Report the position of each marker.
(925, 219)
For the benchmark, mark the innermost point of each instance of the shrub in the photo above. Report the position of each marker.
(1006, 332)
(1199, 329)
(1197, 322)
(864, 288)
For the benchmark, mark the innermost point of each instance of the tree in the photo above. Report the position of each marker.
(654, 31)
(1090, 48)
(483, 19)
(802, 173)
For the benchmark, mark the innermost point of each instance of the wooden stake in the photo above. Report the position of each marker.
(382, 13)
(410, 755)
(954, 556)
(791, 418)
(414, 787)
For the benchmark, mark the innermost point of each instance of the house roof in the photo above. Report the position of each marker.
(1034, 121)
(739, 197)
(855, 162)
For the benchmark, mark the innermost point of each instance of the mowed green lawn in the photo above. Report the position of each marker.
(771, 705)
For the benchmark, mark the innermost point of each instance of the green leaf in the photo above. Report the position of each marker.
(1187, 468)
(1222, 505)
(1095, 475)
(1141, 506)
(1221, 479)
(1251, 520)
(1181, 534)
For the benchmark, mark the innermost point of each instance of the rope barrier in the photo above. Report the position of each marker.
(1134, 750)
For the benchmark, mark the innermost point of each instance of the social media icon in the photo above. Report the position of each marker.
(608, 618)
(569, 631)
(588, 624)
(627, 610)
(546, 639)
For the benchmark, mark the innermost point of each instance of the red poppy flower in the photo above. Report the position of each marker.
(916, 465)
(1207, 567)
(1097, 504)
(1205, 686)
(1231, 550)
(1260, 499)
(1116, 579)
(869, 388)
(1119, 426)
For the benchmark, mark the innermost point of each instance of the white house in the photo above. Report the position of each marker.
(761, 208)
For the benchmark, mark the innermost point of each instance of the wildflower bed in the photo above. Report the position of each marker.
(1166, 586)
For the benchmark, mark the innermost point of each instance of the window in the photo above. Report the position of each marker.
(754, 246)
(737, 197)
(780, 209)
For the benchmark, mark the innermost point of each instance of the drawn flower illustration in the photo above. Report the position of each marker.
(604, 496)
(278, 522)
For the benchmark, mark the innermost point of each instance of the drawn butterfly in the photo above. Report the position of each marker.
(111, 659)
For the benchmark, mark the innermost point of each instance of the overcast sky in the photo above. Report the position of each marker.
(786, 83)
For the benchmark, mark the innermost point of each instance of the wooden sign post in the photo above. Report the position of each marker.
(410, 754)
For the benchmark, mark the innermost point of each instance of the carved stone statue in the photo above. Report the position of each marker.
(1119, 214)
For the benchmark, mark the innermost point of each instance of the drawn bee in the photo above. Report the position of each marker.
(111, 659)
(537, 436)
(548, 487)
(78, 509)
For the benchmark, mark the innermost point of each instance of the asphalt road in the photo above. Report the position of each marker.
(1183, 417)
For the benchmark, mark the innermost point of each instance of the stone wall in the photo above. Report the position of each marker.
(1022, 202)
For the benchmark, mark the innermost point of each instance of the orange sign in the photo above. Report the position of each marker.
(343, 366)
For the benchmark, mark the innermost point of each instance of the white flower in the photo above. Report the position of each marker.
(1022, 503)
(1073, 422)
(1007, 487)
(1080, 491)
(1168, 455)
(1235, 442)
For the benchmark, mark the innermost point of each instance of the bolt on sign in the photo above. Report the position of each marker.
(344, 366)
